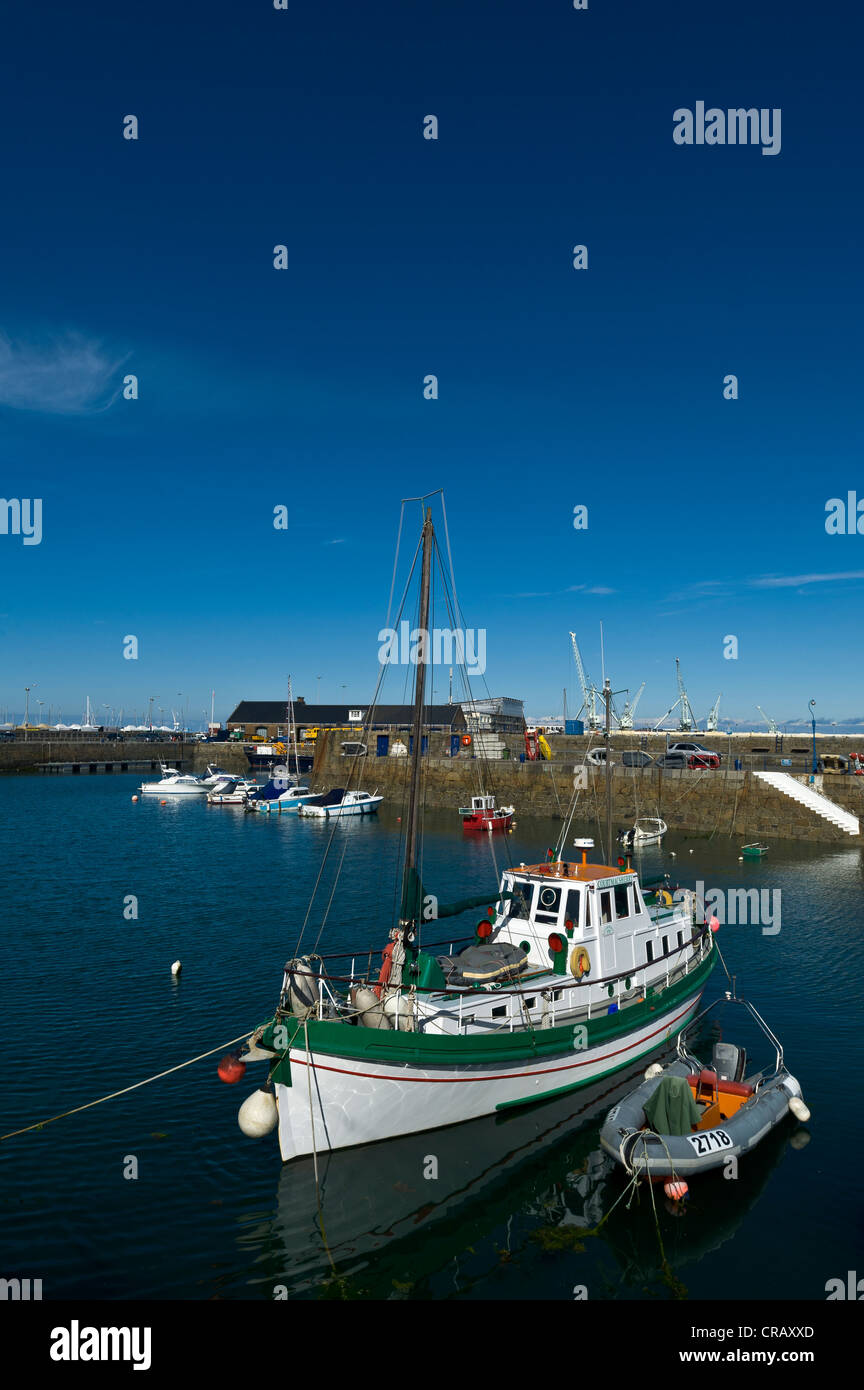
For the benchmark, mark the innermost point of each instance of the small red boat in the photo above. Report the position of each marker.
(483, 814)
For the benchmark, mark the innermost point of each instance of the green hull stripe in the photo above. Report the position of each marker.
(336, 1039)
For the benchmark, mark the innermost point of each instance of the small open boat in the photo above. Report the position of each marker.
(753, 851)
(647, 830)
(687, 1118)
(483, 814)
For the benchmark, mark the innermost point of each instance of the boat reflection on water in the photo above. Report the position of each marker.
(460, 1202)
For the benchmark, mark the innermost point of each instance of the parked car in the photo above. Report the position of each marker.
(697, 750)
(634, 758)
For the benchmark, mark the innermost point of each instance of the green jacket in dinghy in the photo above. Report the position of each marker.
(672, 1109)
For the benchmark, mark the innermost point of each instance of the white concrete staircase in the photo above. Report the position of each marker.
(818, 803)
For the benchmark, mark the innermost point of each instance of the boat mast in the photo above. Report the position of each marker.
(292, 731)
(607, 699)
(409, 878)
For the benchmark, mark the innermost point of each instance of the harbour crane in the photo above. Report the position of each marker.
(589, 691)
(772, 723)
(686, 719)
(711, 719)
(625, 720)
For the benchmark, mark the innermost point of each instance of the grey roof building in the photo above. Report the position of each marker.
(270, 717)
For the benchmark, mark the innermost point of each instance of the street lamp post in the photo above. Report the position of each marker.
(813, 722)
(27, 690)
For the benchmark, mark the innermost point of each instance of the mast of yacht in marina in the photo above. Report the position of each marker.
(607, 700)
(292, 731)
(410, 881)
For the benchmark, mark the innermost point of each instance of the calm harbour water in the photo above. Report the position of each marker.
(89, 1006)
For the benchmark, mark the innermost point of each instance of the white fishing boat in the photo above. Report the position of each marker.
(174, 783)
(573, 974)
(647, 830)
(339, 802)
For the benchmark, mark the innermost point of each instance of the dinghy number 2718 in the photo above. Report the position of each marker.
(710, 1141)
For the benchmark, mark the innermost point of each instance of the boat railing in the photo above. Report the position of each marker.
(640, 981)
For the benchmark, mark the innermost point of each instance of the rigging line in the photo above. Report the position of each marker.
(373, 706)
(76, 1109)
(483, 770)
(309, 1067)
(395, 564)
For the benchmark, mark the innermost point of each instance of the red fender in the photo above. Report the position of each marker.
(386, 967)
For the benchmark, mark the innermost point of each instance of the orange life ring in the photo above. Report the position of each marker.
(466, 741)
(580, 962)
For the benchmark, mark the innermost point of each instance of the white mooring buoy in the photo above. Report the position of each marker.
(258, 1114)
(176, 968)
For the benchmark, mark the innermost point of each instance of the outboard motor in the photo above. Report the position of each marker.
(729, 1061)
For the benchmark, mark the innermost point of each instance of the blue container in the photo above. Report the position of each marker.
(574, 726)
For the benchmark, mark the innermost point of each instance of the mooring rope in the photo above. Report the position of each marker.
(125, 1090)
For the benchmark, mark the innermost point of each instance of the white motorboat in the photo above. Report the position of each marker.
(647, 830)
(215, 774)
(339, 802)
(174, 783)
(278, 797)
(231, 791)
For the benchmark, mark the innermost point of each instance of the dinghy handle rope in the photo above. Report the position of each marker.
(146, 1082)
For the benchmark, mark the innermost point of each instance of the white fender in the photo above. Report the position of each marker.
(257, 1115)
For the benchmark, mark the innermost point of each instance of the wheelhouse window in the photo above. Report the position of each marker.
(520, 904)
(622, 901)
(548, 903)
(573, 907)
(606, 913)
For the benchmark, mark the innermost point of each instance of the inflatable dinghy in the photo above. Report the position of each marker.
(687, 1118)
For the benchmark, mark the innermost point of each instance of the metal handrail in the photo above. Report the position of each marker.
(479, 990)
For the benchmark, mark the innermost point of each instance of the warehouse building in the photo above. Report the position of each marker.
(263, 720)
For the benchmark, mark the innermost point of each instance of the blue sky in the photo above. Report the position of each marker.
(303, 387)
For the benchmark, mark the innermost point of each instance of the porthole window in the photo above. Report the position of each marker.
(610, 990)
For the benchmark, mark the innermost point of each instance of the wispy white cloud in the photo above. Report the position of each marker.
(794, 581)
(571, 589)
(340, 541)
(64, 375)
